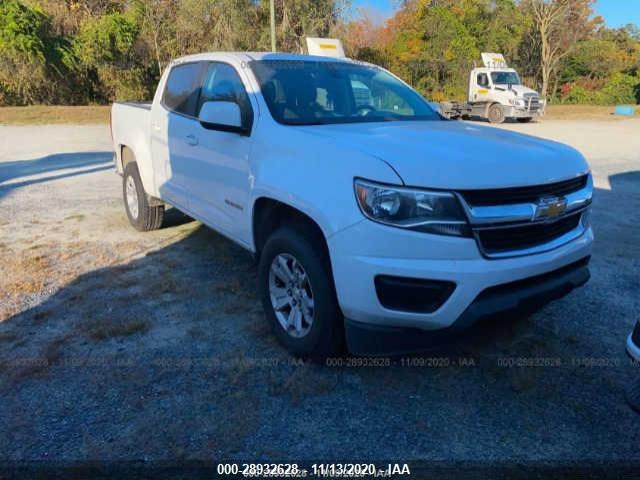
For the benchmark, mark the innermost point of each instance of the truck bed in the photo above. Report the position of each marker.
(144, 105)
(130, 127)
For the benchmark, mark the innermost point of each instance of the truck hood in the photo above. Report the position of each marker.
(457, 155)
(521, 90)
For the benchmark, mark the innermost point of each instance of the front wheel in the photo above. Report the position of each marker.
(496, 113)
(298, 295)
(141, 215)
(633, 396)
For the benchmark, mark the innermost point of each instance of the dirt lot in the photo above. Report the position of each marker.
(91, 114)
(117, 345)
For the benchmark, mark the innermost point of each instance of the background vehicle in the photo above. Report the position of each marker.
(495, 92)
(371, 216)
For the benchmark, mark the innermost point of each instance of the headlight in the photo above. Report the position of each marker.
(518, 102)
(412, 209)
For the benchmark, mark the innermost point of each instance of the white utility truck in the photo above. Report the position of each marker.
(495, 92)
(370, 215)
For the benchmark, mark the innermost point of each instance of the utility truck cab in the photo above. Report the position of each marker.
(496, 93)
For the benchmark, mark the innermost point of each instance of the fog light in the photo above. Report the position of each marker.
(412, 294)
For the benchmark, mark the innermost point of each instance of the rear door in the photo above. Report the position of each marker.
(173, 132)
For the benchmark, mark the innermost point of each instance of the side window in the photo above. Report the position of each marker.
(181, 92)
(483, 80)
(222, 83)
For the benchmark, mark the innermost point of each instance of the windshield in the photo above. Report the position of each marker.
(505, 78)
(300, 92)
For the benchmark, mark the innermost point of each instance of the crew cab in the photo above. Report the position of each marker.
(373, 219)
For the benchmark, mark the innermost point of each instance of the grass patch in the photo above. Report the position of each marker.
(25, 273)
(107, 329)
(45, 114)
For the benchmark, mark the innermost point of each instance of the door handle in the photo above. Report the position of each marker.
(156, 128)
(191, 140)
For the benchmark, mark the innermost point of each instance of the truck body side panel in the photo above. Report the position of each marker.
(130, 124)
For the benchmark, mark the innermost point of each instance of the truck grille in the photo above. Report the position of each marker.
(504, 239)
(533, 102)
(509, 196)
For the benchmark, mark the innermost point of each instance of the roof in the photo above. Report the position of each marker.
(248, 56)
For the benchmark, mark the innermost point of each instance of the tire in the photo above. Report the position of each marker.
(524, 119)
(146, 217)
(496, 114)
(633, 396)
(321, 337)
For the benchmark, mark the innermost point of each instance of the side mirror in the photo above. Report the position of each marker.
(224, 116)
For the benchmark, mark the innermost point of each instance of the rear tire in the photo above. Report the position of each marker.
(496, 114)
(142, 216)
(633, 395)
(321, 333)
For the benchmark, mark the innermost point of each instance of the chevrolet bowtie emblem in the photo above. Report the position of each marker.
(550, 207)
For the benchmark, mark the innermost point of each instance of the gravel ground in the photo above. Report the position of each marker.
(117, 345)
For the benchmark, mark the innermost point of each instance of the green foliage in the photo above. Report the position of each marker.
(593, 58)
(106, 40)
(95, 51)
(433, 52)
(21, 30)
(104, 54)
(22, 52)
(620, 88)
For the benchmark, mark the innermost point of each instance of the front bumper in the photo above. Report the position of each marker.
(367, 249)
(526, 295)
(521, 112)
(633, 343)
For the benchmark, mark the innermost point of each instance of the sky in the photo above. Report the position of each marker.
(615, 12)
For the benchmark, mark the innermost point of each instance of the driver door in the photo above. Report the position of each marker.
(483, 87)
(220, 193)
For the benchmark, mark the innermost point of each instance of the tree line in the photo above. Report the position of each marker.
(97, 51)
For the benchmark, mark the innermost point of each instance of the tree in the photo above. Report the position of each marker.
(558, 26)
(29, 54)
(593, 58)
(157, 19)
(358, 34)
(297, 19)
(210, 25)
(434, 50)
(106, 46)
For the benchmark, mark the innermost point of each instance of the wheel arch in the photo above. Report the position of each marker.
(269, 214)
(127, 155)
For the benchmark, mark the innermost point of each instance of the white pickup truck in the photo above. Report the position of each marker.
(373, 219)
